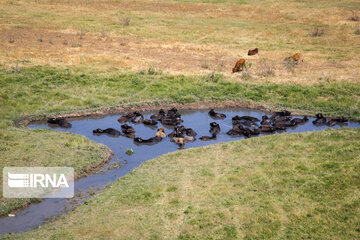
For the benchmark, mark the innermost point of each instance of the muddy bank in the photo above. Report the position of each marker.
(26, 120)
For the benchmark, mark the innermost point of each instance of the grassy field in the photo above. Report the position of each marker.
(21, 147)
(133, 35)
(45, 91)
(81, 56)
(288, 186)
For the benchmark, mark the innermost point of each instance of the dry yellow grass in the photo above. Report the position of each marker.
(184, 38)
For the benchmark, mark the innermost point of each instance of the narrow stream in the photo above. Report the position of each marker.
(121, 164)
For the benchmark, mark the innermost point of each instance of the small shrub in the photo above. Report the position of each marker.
(214, 77)
(51, 41)
(16, 69)
(266, 68)
(40, 39)
(103, 33)
(76, 44)
(290, 65)
(246, 75)
(205, 65)
(82, 33)
(11, 39)
(357, 31)
(354, 16)
(65, 42)
(122, 42)
(317, 32)
(152, 71)
(126, 22)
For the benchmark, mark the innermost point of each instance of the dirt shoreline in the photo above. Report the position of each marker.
(26, 120)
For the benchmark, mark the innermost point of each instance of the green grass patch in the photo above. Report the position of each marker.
(22, 147)
(288, 186)
(44, 91)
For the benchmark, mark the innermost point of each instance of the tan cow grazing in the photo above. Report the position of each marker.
(239, 66)
(295, 58)
(252, 52)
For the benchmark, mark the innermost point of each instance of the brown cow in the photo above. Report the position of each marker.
(295, 58)
(252, 52)
(239, 66)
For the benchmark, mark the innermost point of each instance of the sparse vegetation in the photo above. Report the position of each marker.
(205, 65)
(76, 44)
(266, 68)
(126, 21)
(103, 33)
(207, 32)
(354, 16)
(246, 75)
(317, 31)
(357, 31)
(82, 33)
(11, 39)
(290, 65)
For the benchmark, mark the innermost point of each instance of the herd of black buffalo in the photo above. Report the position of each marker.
(242, 125)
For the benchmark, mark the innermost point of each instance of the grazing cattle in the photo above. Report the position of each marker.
(161, 133)
(294, 58)
(252, 52)
(216, 115)
(62, 122)
(110, 131)
(239, 66)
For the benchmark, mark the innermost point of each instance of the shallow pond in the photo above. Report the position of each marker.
(121, 163)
